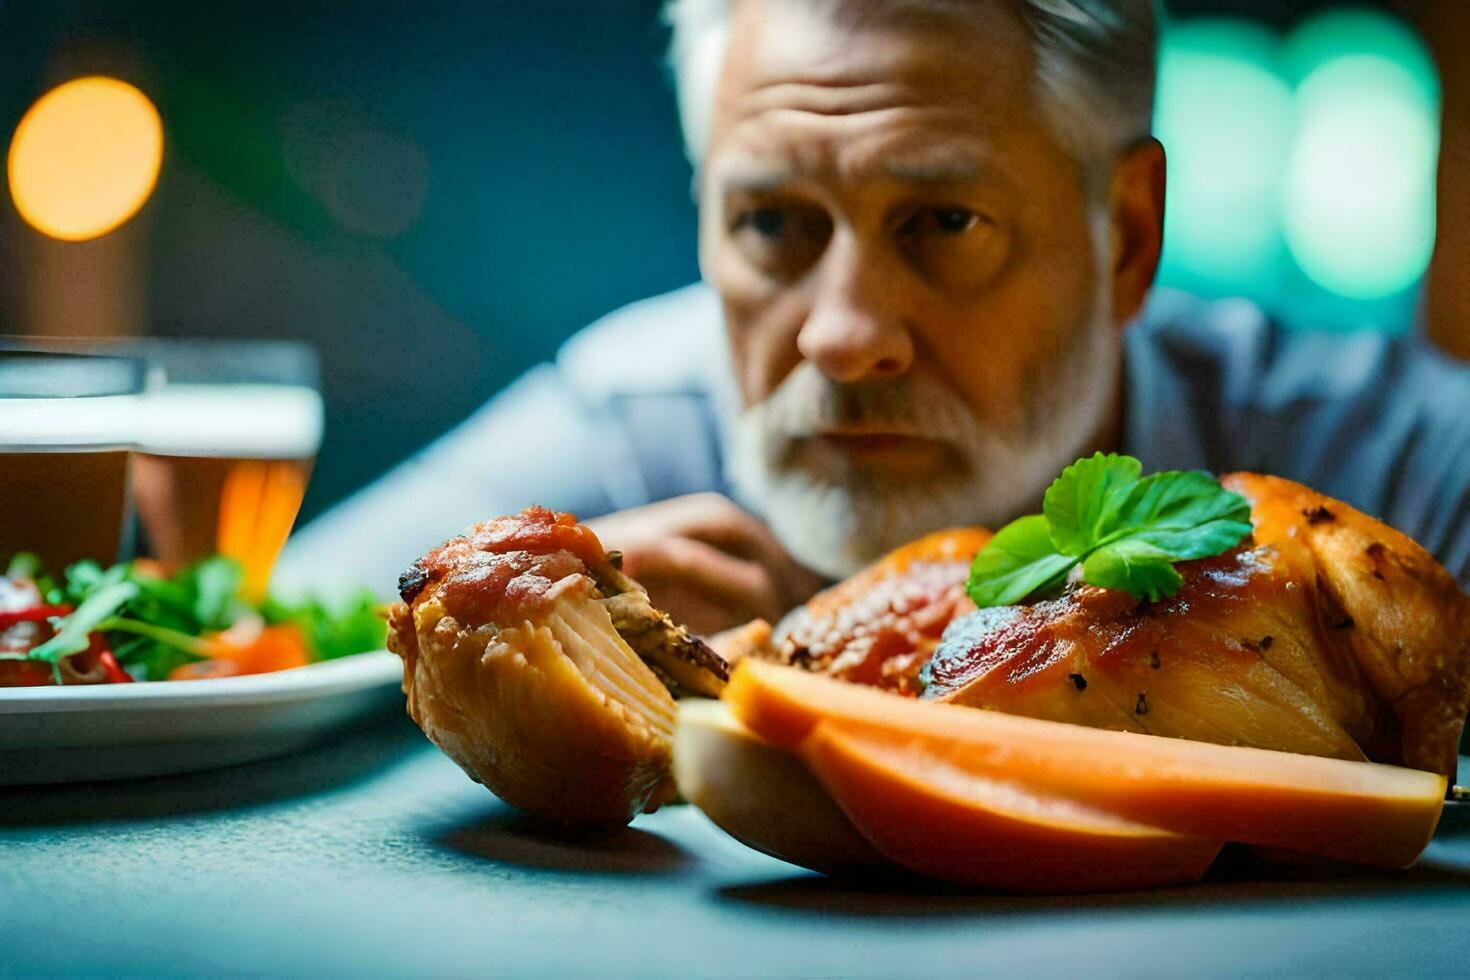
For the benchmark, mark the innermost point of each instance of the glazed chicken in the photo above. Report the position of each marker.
(543, 671)
(1325, 633)
(881, 626)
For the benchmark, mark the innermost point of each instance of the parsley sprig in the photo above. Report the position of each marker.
(1126, 530)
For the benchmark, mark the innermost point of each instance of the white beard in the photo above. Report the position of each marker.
(835, 518)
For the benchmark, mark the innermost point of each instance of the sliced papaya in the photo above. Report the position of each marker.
(1352, 811)
(764, 796)
(950, 823)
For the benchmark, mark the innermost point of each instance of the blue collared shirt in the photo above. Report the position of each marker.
(635, 406)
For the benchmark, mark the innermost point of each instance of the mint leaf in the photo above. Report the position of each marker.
(1015, 563)
(1127, 531)
(1133, 566)
(1081, 501)
(1187, 514)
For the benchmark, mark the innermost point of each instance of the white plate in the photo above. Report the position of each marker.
(115, 731)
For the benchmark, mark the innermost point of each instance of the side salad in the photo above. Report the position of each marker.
(134, 622)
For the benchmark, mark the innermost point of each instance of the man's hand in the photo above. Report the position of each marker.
(706, 562)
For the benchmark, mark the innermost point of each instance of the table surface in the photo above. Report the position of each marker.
(375, 855)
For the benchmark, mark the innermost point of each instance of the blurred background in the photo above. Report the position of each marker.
(437, 195)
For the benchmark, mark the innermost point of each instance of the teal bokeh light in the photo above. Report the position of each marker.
(1224, 116)
(1344, 33)
(1359, 187)
(1301, 171)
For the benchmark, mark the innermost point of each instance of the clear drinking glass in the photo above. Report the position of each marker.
(224, 440)
(67, 422)
(225, 450)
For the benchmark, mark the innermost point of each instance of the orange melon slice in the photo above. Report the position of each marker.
(1353, 811)
(763, 796)
(949, 823)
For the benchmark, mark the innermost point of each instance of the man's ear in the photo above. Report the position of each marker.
(1136, 213)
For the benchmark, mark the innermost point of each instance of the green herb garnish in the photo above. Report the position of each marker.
(1126, 530)
(355, 626)
(154, 625)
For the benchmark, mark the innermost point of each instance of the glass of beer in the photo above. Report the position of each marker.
(225, 451)
(67, 422)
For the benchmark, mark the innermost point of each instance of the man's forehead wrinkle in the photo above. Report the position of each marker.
(937, 164)
(754, 176)
(881, 50)
(828, 97)
(836, 72)
(872, 97)
(774, 149)
(885, 76)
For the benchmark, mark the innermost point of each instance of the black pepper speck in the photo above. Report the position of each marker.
(412, 581)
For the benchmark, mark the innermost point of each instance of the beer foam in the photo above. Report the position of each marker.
(257, 420)
(61, 423)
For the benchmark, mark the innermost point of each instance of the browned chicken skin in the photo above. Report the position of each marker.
(1326, 633)
(543, 671)
(880, 626)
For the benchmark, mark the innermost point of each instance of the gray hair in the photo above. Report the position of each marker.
(1095, 69)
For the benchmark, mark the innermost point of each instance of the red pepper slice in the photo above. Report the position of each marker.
(113, 670)
(34, 614)
(13, 673)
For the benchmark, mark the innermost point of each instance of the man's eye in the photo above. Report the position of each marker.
(781, 240)
(953, 246)
(942, 221)
(955, 220)
(766, 222)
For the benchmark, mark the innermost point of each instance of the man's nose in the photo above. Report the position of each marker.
(857, 329)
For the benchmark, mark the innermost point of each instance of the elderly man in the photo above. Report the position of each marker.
(928, 233)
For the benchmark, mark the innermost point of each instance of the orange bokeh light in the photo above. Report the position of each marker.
(85, 158)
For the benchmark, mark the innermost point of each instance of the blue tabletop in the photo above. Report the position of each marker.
(375, 855)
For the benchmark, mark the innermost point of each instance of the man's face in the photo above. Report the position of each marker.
(918, 313)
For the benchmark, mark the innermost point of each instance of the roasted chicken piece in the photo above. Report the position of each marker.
(1325, 632)
(881, 626)
(543, 671)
